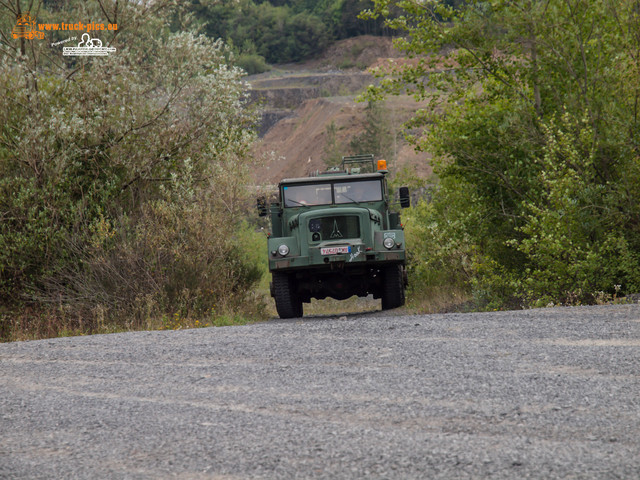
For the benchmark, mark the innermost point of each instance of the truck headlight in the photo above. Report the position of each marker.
(283, 250)
(389, 243)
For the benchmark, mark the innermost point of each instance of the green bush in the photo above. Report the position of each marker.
(577, 241)
(123, 180)
(279, 33)
(252, 63)
(529, 110)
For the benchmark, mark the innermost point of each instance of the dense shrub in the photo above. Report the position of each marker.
(252, 63)
(531, 116)
(281, 32)
(122, 178)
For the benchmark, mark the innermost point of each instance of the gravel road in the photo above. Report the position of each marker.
(548, 393)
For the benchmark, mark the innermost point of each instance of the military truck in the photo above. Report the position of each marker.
(334, 235)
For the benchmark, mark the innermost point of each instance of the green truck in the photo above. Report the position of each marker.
(334, 235)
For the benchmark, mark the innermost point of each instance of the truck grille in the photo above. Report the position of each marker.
(335, 228)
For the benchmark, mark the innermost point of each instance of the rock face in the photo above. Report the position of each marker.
(298, 140)
(291, 90)
(298, 102)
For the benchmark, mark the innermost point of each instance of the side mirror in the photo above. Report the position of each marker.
(405, 200)
(261, 205)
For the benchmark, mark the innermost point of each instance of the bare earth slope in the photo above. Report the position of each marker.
(300, 101)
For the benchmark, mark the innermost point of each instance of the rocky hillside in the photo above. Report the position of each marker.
(298, 103)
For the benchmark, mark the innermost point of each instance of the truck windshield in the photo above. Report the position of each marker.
(315, 194)
(343, 192)
(355, 192)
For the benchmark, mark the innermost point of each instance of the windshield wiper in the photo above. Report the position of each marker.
(294, 201)
(348, 197)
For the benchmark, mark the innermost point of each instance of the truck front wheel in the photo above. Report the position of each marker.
(393, 287)
(288, 303)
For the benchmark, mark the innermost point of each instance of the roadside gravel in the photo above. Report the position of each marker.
(547, 393)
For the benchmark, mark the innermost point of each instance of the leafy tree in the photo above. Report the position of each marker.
(278, 33)
(280, 30)
(122, 177)
(533, 122)
(333, 151)
(378, 136)
(350, 25)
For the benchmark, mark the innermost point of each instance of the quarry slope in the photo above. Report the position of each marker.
(298, 102)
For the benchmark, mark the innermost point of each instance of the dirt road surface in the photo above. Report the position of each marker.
(549, 393)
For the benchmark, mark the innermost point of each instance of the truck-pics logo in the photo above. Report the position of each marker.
(88, 47)
(25, 27)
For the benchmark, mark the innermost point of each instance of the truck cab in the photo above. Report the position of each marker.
(334, 235)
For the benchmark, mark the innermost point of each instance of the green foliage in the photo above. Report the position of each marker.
(333, 150)
(378, 137)
(441, 252)
(252, 63)
(531, 116)
(343, 16)
(279, 32)
(123, 177)
(576, 238)
(276, 33)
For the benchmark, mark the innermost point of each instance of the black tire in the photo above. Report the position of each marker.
(392, 287)
(288, 303)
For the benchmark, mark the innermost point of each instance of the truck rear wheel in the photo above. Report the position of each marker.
(288, 303)
(392, 287)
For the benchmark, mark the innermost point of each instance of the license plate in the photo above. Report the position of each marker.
(335, 250)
